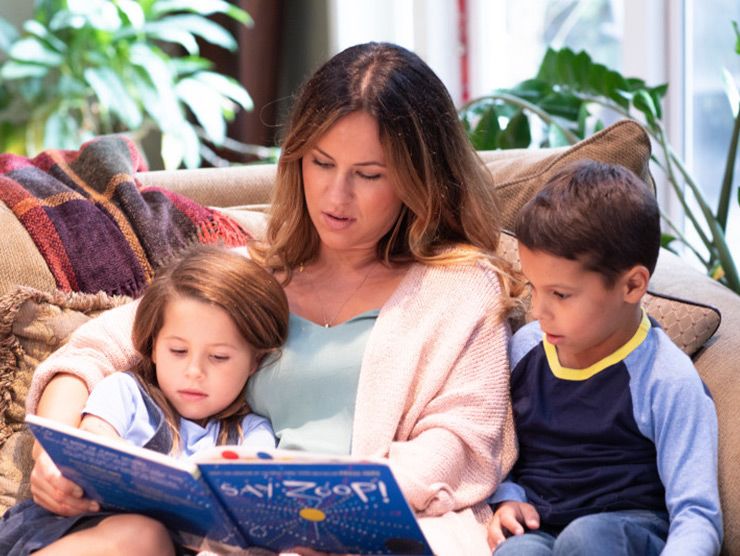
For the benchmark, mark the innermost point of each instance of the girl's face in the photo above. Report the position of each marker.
(202, 361)
(349, 194)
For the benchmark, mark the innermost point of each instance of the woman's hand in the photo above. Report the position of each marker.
(510, 518)
(55, 493)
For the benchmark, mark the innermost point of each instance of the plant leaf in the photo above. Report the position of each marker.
(644, 103)
(203, 7)
(18, 70)
(38, 30)
(205, 104)
(167, 33)
(517, 134)
(8, 35)
(731, 91)
(188, 65)
(180, 146)
(227, 86)
(113, 96)
(487, 130)
(61, 131)
(133, 12)
(556, 137)
(666, 240)
(101, 15)
(31, 50)
(204, 28)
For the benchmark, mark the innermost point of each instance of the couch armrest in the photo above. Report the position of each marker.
(718, 364)
(217, 187)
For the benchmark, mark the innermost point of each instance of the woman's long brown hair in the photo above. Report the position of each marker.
(447, 193)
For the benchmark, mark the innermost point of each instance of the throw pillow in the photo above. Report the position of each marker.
(33, 324)
(519, 173)
(687, 323)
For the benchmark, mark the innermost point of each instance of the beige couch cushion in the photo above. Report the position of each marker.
(519, 173)
(32, 325)
(21, 261)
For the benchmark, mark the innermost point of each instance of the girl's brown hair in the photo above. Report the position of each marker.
(253, 299)
(447, 193)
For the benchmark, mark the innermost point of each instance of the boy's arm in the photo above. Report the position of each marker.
(685, 435)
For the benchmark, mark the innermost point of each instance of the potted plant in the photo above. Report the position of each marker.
(82, 68)
(562, 97)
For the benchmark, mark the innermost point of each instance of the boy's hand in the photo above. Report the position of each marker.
(511, 518)
(55, 493)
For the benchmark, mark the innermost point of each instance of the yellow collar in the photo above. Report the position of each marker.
(565, 373)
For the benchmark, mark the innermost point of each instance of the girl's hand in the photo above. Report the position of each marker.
(510, 518)
(55, 493)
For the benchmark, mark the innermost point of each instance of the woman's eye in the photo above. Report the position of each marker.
(370, 177)
(220, 358)
(322, 164)
(178, 351)
(560, 295)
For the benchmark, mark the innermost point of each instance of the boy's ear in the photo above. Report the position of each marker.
(635, 283)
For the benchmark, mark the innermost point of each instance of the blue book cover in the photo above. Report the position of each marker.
(230, 496)
(284, 499)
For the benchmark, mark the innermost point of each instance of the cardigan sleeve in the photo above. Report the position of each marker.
(436, 387)
(96, 349)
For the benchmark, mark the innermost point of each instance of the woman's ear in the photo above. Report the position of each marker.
(636, 281)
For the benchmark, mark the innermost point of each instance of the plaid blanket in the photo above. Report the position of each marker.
(94, 224)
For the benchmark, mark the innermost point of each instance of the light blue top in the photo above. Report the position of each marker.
(309, 392)
(118, 400)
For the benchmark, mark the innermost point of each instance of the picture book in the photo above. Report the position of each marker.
(230, 497)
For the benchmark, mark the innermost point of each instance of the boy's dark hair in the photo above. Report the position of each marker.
(600, 214)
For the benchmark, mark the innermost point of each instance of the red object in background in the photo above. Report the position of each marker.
(462, 30)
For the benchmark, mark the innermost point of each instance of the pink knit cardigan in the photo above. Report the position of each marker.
(433, 393)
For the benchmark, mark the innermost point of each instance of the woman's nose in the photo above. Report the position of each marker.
(340, 189)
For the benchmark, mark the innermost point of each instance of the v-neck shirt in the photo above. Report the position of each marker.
(308, 392)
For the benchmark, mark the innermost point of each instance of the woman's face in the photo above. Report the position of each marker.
(349, 194)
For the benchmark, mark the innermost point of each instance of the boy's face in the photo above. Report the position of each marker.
(583, 318)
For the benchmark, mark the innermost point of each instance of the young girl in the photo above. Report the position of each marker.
(201, 328)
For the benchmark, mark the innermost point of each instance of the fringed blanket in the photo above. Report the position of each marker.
(94, 224)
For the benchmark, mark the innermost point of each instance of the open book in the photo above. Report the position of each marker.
(230, 497)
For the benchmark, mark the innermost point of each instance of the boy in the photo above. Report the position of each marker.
(617, 434)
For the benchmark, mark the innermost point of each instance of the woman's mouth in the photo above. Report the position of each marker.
(336, 221)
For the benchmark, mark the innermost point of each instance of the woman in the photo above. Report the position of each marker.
(383, 230)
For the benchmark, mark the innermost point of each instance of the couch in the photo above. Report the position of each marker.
(36, 316)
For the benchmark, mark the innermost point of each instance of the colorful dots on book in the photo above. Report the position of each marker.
(312, 514)
(229, 454)
(264, 455)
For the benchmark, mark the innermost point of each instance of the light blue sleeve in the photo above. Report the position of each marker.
(117, 400)
(522, 342)
(673, 408)
(508, 490)
(258, 433)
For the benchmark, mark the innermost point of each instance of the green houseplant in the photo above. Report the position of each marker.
(564, 100)
(81, 68)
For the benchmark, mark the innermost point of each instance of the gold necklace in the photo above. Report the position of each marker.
(329, 322)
